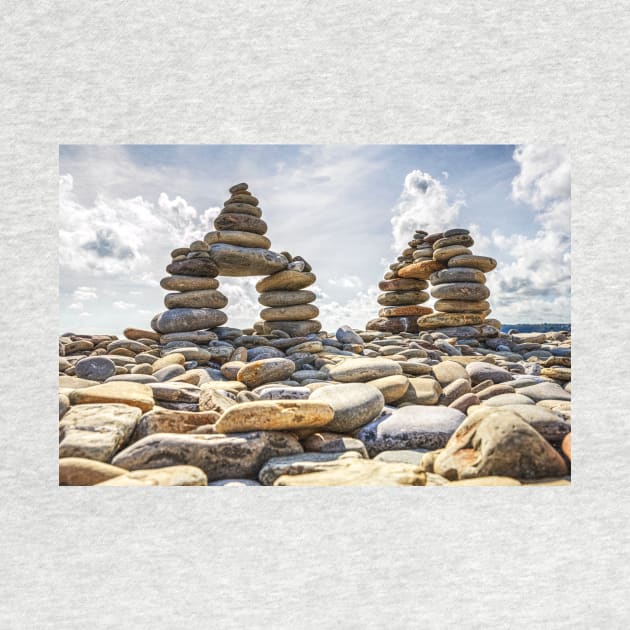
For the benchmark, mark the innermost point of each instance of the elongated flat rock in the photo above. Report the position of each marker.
(298, 312)
(80, 471)
(236, 237)
(194, 267)
(293, 328)
(209, 298)
(188, 283)
(133, 394)
(404, 311)
(462, 306)
(460, 291)
(445, 253)
(363, 369)
(187, 319)
(242, 208)
(286, 298)
(238, 456)
(483, 263)
(403, 284)
(354, 405)
(443, 320)
(457, 274)
(402, 298)
(240, 222)
(421, 270)
(264, 371)
(275, 415)
(301, 464)
(169, 476)
(233, 260)
(287, 280)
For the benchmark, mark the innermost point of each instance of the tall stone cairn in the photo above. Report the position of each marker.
(457, 283)
(194, 302)
(402, 297)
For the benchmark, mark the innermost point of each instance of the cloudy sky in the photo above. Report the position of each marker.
(349, 210)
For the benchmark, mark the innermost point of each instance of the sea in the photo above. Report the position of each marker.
(523, 328)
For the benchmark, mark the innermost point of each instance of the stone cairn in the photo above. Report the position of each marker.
(193, 307)
(402, 297)
(288, 303)
(457, 278)
(239, 247)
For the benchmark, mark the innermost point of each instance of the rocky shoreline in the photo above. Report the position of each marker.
(248, 407)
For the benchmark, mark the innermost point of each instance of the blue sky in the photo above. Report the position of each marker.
(347, 209)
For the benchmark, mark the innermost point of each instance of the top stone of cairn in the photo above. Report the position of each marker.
(238, 188)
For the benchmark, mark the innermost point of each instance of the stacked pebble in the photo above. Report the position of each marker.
(238, 245)
(459, 286)
(288, 303)
(402, 297)
(194, 304)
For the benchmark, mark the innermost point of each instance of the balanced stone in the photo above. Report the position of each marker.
(235, 237)
(461, 291)
(246, 261)
(292, 328)
(286, 298)
(285, 281)
(188, 283)
(186, 319)
(275, 415)
(483, 263)
(440, 320)
(240, 223)
(242, 197)
(402, 284)
(194, 267)
(402, 298)
(354, 404)
(446, 253)
(209, 298)
(238, 187)
(457, 274)
(421, 270)
(242, 208)
(401, 311)
(462, 306)
(464, 240)
(298, 312)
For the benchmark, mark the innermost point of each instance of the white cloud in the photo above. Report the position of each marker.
(346, 282)
(83, 294)
(123, 305)
(422, 205)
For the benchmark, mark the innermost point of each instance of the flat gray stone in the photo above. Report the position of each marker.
(233, 260)
(96, 368)
(363, 369)
(187, 319)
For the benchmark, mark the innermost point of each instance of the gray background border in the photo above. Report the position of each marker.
(328, 72)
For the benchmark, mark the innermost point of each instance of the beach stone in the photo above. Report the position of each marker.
(175, 392)
(393, 387)
(345, 334)
(73, 382)
(187, 319)
(239, 455)
(460, 291)
(394, 324)
(302, 463)
(557, 372)
(188, 283)
(274, 415)
(236, 237)
(327, 442)
(160, 420)
(196, 336)
(360, 370)
(448, 320)
(312, 347)
(502, 444)
(238, 187)
(566, 445)
(494, 390)
(280, 392)
(359, 472)
(286, 298)
(404, 311)
(299, 312)
(480, 371)
(95, 368)
(483, 263)
(292, 328)
(462, 306)
(402, 298)
(132, 378)
(463, 240)
(240, 223)
(193, 267)
(174, 358)
(448, 371)
(506, 399)
(443, 254)
(234, 483)
(79, 471)
(457, 274)
(545, 391)
(209, 298)
(354, 404)
(242, 197)
(64, 405)
(464, 402)
(133, 394)
(169, 476)
(403, 284)
(422, 391)
(453, 390)
(96, 431)
(421, 270)
(263, 371)
(263, 352)
(403, 456)
(241, 208)
(410, 427)
(137, 334)
(454, 231)
(233, 260)
(286, 281)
